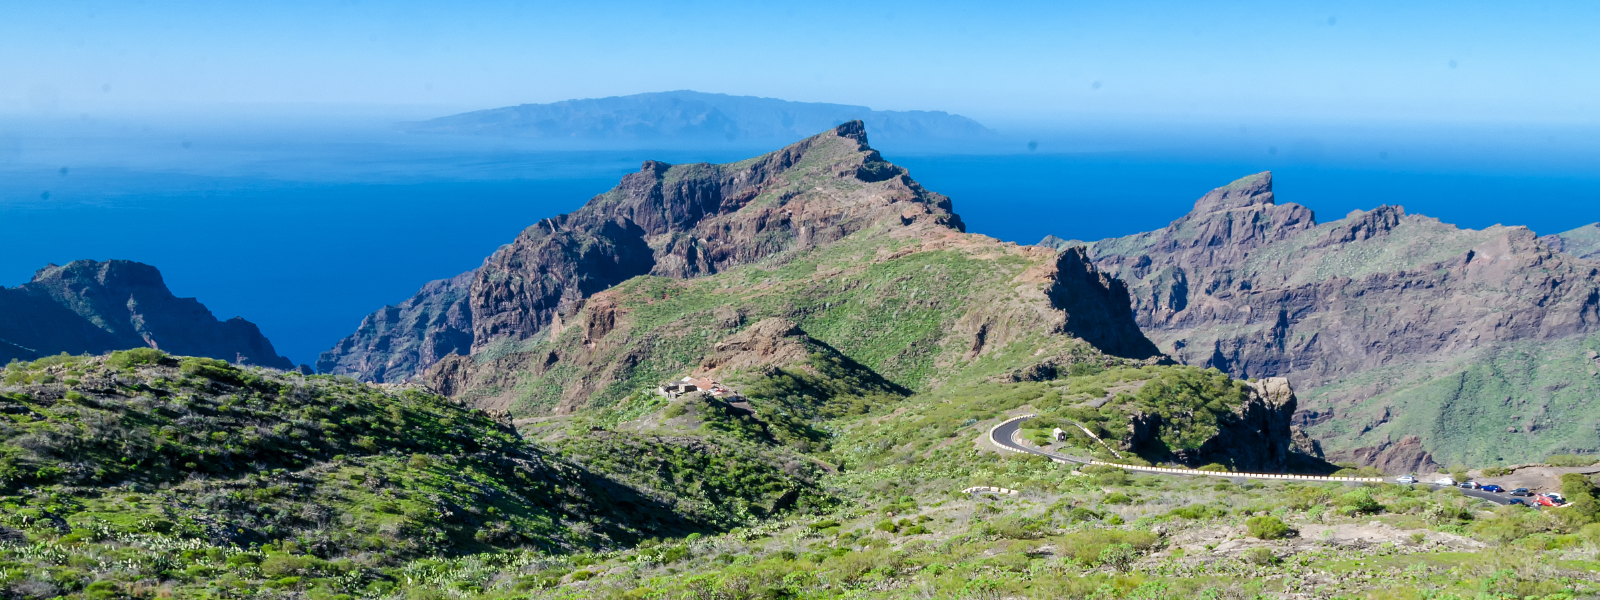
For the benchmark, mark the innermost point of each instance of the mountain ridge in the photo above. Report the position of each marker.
(1257, 288)
(668, 220)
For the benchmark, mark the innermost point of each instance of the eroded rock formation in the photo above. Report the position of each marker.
(675, 221)
(1259, 289)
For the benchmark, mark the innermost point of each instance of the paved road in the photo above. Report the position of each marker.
(1005, 435)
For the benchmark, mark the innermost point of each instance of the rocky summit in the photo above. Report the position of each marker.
(681, 222)
(95, 307)
(1416, 341)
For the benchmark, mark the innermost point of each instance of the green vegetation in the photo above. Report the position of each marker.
(1479, 408)
(1569, 460)
(1266, 527)
(139, 471)
(426, 499)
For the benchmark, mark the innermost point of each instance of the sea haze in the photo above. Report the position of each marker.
(304, 233)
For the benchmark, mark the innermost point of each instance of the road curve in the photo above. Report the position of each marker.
(1004, 435)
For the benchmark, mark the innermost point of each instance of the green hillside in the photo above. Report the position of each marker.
(1503, 405)
(208, 478)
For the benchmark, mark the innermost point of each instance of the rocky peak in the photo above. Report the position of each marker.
(1252, 190)
(1363, 225)
(677, 221)
(94, 307)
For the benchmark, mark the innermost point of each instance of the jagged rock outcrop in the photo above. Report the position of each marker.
(1404, 456)
(1095, 306)
(1258, 289)
(1256, 436)
(821, 251)
(95, 307)
(675, 221)
(398, 341)
(769, 342)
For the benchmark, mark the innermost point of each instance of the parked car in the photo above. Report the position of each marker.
(1545, 500)
(1493, 488)
(1406, 479)
(1517, 502)
(1445, 481)
(1521, 492)
(1469, 485)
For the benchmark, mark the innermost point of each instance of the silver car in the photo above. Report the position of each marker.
(1406, 479)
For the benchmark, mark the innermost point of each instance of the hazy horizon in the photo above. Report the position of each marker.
(1048, 63)
(249, 151)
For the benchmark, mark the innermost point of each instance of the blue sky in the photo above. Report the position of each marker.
(1454, 62)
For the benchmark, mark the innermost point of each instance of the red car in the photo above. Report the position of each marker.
(1548, 500)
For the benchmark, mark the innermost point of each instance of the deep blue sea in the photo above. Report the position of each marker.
(304, 237)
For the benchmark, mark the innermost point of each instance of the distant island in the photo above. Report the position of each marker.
(698, 116)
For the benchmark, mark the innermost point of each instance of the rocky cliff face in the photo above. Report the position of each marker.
(95, 307)
(676, 221)
(397, 341)
(1255, 436)
(1257, 289)
(690, 269)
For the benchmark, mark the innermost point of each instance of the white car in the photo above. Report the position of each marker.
(1449, 481)
(1406, 479)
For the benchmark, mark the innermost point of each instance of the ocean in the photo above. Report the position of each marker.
(305, 235)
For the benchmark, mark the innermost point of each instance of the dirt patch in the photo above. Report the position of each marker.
(1232, 541)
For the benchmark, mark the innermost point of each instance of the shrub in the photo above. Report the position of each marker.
(1306, 497)
(1197, 512)
(211, 368)
(1017, 528)
(1088, 546)
(1118, 498)
(283, 565)
(1118, 556)
(1215, 467)
(1569, 460)
(1260, 556)
(123, 359)
(1266, 527)
(1359, 501)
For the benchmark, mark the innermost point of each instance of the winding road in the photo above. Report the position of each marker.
(1005, 436)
